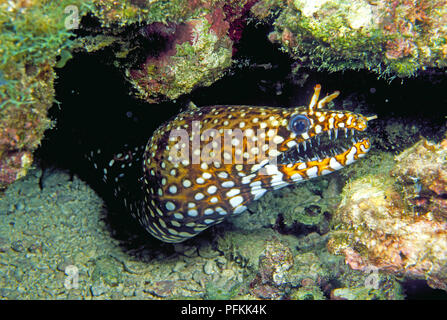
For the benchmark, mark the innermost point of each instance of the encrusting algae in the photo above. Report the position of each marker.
(32, 35)
(398, 225)
(391, 38)
(191, 46)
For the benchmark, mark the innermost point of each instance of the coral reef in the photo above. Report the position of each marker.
(274, 264)
(195, 56)
(308, 204)
(390, 290)
(52, 222)
(422, 172)
(127, 12)
(377, 163)
(307, 292)
(40, 242)
(222, 290)
(400, 228)
(32, 35)
(286, 267)
(179, 45)
(391, 38)
(195, 45)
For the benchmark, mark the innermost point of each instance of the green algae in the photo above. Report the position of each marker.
(195, 63)
(375, 163)
(305, 203)
(127, 12)
(307, 293)
(329, 43)
(392, 39)
(108, 270)
(32, 35)
(215, 291)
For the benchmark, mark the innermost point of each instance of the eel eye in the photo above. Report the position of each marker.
(299, 124)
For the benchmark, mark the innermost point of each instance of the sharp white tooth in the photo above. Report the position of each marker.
(346, 133)
(336, 133)
(329, 132)
(352, 131)
(310, 142)
(353, 141)
(304, 145)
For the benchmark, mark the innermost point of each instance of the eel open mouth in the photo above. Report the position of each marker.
(324, 145)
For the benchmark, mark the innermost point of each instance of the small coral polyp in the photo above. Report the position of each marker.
(398, 227)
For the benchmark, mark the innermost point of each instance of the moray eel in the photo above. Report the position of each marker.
(209, 163)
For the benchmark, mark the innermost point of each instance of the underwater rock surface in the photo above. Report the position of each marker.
(32, 35)
(40, 246)
(40, 243)
(389, 223)
(391, 38)
(166, 49)
(400, 228)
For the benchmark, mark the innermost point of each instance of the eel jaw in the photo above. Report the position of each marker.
(331, 143)
(346, 141)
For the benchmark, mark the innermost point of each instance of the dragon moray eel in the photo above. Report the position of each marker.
(209, 163)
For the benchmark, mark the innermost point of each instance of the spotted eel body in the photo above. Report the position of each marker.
(209, 163)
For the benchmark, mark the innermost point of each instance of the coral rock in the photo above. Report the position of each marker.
(391, 38)
(194, 56)
(378, 225)
(191, 42)
(275, 262)
(422, 172)
(14, 165)
(32, 35)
